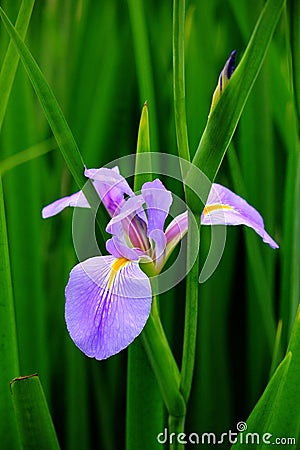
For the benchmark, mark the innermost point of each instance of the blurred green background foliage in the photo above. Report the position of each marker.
(103, 60)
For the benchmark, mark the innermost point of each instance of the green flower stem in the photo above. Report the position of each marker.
(163, 363)
(191, 318)
(190, 325)
(179, 79)
(176, 425)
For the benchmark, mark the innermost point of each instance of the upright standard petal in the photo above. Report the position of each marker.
(223, 207)
(111, 187)
(78, 200)
(158, 201)
(108, 302)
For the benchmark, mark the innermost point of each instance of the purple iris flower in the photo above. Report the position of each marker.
(108, 298)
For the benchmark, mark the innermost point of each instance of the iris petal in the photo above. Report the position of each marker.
(117, 247)
(159, 238)
(78, 199)
(176, 231)
(223, 207)
(130, 207)
(108, 302)
(110, 185)
(158, 201)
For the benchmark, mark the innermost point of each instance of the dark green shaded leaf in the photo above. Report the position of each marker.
(33, 418)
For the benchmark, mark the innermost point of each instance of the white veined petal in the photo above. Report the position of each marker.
(108, 302)
(224, 207)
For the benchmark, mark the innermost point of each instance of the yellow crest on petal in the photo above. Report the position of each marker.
(216, 207)
(116, 266)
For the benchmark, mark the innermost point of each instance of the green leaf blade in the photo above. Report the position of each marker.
(50, 105)
(281, 395)
(145, 409)
(9, 361)
(11, 60)
(54, 115)
(32, 413)
(143, 147)
(225, 116)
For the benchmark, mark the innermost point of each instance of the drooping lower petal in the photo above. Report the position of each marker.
(76, 200)
(108, 302)
(223, 207)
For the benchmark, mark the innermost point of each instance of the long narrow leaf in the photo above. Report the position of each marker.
(145, 410)
(143, 147)
(294, 15)
(32, 413)
(48, 101)
(291, 264)
(53, 112)
(9, 361)
(282, 395)
(225, 116)
(27, 155)
(143, 62)
(11, 60)
(54, 115)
